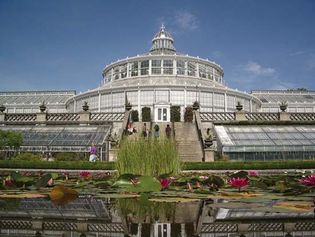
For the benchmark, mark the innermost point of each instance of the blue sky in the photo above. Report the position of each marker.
(56, 45)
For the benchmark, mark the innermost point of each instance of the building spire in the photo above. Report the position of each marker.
(162, 42)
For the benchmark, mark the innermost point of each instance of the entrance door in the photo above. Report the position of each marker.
(162, 114)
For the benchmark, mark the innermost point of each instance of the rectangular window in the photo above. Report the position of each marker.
(191, 70)
(202, 71)
(177, 97)
(145, 67)
(123, 71)
(156, 67)
(168, 66)
(180, 67)
(116, 73)
(134, 69)
(146, 97)
(132, 97)
(161, 96)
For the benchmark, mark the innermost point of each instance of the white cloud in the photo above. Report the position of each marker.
(258, 70)
(185, 20)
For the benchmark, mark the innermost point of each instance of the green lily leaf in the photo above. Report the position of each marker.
(20, 180)
(42, 182)
(141, 184)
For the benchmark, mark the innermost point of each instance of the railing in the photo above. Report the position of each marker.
(200, 134)
(20, 117)
(217, 116)
(63, 117)
(107, 116)
(60, 118)
(255, 116)
(262, 116)
(302, 116)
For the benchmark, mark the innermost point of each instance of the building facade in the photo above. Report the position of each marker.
(160, 79)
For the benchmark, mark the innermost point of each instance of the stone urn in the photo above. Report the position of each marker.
(85, 106)
(196, 105)
(283, 106)
(2, 108)
(128, 106)
(239, 106)
(42, 107)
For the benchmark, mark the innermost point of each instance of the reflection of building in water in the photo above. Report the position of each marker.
(95, 217)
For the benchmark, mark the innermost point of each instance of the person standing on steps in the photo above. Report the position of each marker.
(156, 131)
(168, 131)
(145, 131)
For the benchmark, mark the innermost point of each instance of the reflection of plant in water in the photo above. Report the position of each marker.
(142, 209)
(9, 204)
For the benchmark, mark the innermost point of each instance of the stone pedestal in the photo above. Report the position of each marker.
(284, 116)
(240, 116)
(112, 155)
(209, 154)
(2, 117)
(84, 117)
(41, 117)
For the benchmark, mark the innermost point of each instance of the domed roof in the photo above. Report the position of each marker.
(163, 42)
(163, 34)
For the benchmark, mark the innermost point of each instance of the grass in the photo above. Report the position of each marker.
(148, 157)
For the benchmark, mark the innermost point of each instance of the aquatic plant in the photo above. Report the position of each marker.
(238, 182)
(85, 174)
(252, 173)
(151, 157)
(165, 182)
(309, 180)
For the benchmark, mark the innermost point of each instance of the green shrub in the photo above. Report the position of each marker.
(79, 165)
(70, 156)
(148, 157)
(175, 113)
(146, 114)
(189, 114)
(10, 138)
(250, 165)
(135, 116)
(28, 157)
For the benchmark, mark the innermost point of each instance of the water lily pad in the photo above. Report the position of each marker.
(174, 199)
(43, 181)
(61, 195)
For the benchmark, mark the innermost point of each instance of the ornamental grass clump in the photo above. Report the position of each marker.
(150, 157)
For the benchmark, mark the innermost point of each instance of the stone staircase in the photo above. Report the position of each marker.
(187, 142)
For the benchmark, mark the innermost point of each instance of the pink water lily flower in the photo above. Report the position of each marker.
(309, 180)
(165, 183)
(252, 173)
(238, 182)
(85, 174)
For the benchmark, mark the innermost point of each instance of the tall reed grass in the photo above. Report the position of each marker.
(151, 157)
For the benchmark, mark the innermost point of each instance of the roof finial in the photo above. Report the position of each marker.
(162, 27)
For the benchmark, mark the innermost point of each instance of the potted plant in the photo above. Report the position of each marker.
(42, 107)
(128, 106)
(2, 108)
(196, 105)
(283, 106)
(85, 106)
(239, 106)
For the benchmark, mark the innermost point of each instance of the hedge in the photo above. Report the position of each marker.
(217, 165)
(250, 165)
(77, 165)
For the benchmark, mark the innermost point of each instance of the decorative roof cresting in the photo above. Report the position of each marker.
(163, 42)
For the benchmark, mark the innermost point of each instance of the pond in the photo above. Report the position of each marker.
(50, 204)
